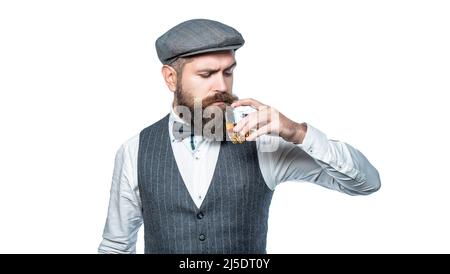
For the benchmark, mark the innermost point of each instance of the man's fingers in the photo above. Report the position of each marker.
(254, 116)
(253, 120)
(261, 131)
(247, 102)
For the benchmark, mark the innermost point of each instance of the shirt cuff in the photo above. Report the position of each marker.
(316, 144)
(333, 154)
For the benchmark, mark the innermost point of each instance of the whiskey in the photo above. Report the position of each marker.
(232, 117)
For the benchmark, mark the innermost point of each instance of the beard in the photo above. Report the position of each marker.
(205, 106)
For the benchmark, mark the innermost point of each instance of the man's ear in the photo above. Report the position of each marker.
(170, 77)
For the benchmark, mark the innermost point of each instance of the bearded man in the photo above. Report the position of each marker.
(194, 190)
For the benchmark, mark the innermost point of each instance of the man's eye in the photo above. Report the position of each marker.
(228, 73)
(205, 75)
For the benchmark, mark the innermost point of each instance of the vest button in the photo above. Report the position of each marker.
(202, 237)
(200, 215)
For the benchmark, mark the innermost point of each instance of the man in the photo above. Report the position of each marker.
(198, 194)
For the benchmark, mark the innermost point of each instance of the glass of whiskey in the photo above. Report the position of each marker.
(232, 117)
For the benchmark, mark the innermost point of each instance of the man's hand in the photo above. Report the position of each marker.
(267, 120)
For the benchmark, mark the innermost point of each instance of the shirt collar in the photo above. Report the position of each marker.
(173, 117)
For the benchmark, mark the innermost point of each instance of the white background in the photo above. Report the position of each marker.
(78, 78)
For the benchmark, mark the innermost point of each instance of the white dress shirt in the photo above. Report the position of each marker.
(328, 163)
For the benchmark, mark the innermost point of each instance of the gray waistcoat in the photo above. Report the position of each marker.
(234, 214)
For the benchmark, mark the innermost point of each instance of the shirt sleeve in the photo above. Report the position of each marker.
(124, 212)
(329, 163)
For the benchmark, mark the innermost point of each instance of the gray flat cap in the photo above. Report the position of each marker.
(197, 36)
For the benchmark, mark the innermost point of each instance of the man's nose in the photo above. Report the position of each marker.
(220, 83)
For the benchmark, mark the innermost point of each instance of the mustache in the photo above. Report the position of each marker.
(225, 97)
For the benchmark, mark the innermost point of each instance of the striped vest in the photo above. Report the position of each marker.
(233, 216)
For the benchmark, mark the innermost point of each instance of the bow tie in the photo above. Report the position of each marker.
(181, 130)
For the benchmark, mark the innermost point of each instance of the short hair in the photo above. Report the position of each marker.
(178, 65)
